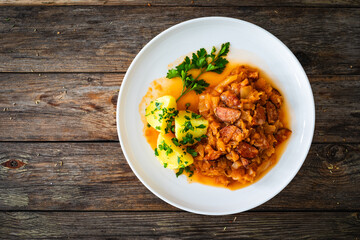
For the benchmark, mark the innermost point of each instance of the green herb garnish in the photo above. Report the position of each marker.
(201, 137)
(175, 141)
(179, 160)
(191, 151)
(187, 169)
(187, 126)
(164, 147)
(158, 105)
(180, 171)
(168, 115)
(187, 139)
(195, 116)
(205, 63)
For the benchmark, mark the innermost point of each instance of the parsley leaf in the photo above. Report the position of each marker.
(191, 151)
(181, 170)
(187, 169)
(195, 116)
(175, 141)
(205, 63)
(187, 139)
(164, 147)
(199, 138)
(199, 86)
(173, 73)
(187, 126)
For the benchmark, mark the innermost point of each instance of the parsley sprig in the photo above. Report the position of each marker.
(187, 169)
(205, 63)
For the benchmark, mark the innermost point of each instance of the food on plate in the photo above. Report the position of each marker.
(159, 114)
(190, 127)
(228, 131)
(245, 128)
(171, 154)
(204, 62)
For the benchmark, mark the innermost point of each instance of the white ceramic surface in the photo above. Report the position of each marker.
(248, 43)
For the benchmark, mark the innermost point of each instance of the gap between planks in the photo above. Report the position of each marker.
(192, 4)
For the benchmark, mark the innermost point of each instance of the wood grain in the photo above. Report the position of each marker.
(179, 225)
(81, 107)
(106, 39)
(96, 176)
(203, 3)
(64, 107)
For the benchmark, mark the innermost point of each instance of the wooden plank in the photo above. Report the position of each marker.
(96, 176)
(179, 225)
(50, 107)
(335, 96)
(204, 3)
(105, 39)
(81, 107)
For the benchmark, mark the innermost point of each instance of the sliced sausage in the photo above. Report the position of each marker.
(276, 98)
(259, 117)
(247, 151)
(227, 114)
(230, 99)
(227, 132)
(272, 113)
(282, 135)
(238, 135)
(259, 141)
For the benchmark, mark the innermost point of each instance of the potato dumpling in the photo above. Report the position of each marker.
(190, 127)
(160, 113)
(170, 154)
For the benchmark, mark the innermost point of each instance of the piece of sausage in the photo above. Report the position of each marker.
(238, 135)
(259, 117)
(259, 141)
(227, 132)
(230, 99)
(227, 114)
(282, 135)
(276, 98)
(272, 113)
(246, 150)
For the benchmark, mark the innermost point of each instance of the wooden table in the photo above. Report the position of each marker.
(62, 172)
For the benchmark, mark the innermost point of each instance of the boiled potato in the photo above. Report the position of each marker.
(170, 155)
(158, 113)
(190, 127)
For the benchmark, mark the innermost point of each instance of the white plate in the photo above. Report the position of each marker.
(255, 46)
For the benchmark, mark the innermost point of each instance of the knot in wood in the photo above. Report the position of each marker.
(13, 163)
(336, 153)
(114, 100)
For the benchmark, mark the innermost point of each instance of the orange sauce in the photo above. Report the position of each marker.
(173, 87)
